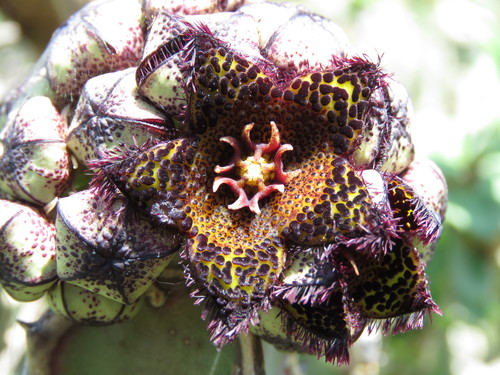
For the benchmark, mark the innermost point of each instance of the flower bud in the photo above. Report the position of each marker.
(154, 7)
(107, 248)
(27, 251)
(34, 164)
(111, 114)
(426, 178)
(396, 149)
(96, 40)
(85, 307)
(293, 38)
(159, 75)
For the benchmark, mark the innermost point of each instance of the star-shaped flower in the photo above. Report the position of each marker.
(286, 183)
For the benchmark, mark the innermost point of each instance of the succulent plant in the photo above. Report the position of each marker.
(282, 172)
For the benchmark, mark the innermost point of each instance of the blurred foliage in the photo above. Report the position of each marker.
(447, 53)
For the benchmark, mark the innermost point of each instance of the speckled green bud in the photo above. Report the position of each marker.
(238, 29)
(427, 180)
(110, 113)
(396, 147)
(152, 8)
(159, 76)
(85, 307)
(36, 84)
(385, 143)
(292, 37)
(107, 248)
(272, 329)
(34, 164)
(27, 251)
(103, 36)
(419, 175)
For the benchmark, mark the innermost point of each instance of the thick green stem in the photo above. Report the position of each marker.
(252, 356)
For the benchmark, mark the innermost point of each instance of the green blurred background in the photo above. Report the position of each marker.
(447, 53)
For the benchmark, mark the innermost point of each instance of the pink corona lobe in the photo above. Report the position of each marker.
(257, 175)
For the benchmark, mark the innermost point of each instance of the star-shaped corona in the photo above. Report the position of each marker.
(257, 175)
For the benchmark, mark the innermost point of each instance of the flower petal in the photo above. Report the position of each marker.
(327, 200)
(235, 256)
(390, 292)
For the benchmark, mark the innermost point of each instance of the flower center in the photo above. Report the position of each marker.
(256, 172)
(258, 175)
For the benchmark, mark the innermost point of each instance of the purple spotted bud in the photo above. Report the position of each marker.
(159, 77)
(385, 143)
(95, 40)
(293, 38)
(28, 251)
(34, 164)
(105, 247)
(428, 181)
(84, 307)
(153, 8)
(111, 114)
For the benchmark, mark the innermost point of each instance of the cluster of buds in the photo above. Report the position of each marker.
(244, 138)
